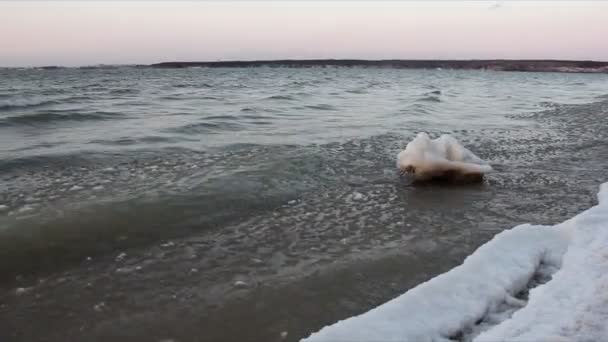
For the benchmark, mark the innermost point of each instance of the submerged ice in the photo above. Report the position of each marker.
(441, 158)
(470, 299)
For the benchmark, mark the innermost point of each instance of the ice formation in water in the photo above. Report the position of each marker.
(442, 158)
(469, 301)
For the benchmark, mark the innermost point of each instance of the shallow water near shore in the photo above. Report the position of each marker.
(263, 204)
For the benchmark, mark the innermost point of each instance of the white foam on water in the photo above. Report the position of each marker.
(573, 305)
(432, 158)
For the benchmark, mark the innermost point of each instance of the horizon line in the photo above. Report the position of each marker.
(315, 60)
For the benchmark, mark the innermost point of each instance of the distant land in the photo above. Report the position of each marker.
(494, 64)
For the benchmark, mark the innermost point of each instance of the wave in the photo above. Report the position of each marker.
(134, 141)
(191, 85)
(281, 97)
(220, 201)
(12, 104)
(321, 107)
(123, 91)
(92, 86)
(46, 118)
(430, 99)
(258, 109)
(22, 103)
(205, 197)
(303, 83)
(237, 117)
(206, 128)
(187, 96)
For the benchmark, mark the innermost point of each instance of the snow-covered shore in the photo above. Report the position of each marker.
(477, 300)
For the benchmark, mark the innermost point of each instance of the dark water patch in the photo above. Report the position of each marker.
(303, 94)
(222, 117)
(322, 107)
(55, 117)
(124, 91)
(357, 91)
(177, 97)
(192, 85)
(90, 85)
(133, 141)
(379, 84)
(78, 99)
(259, 109)
(429, 99)
(188, 96)
(115, 142)
(304, 83)
(207, 128)
(34, 164)
(237, 117)
(281, 97)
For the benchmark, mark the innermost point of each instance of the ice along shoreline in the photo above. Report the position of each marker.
(475, 301)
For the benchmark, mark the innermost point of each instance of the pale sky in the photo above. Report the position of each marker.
(111, 32)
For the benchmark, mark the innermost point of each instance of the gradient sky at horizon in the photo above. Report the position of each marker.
(73, 33)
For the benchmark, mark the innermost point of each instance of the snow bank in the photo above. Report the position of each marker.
(444, 157)
(571, 306)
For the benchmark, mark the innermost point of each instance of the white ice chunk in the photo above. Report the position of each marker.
(444, 157)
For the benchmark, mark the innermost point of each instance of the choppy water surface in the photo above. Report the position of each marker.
(142, 204)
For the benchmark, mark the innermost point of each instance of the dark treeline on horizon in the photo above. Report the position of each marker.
(496, 64)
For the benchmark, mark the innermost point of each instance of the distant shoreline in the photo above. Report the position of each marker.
(525, 65)
(496, 64)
